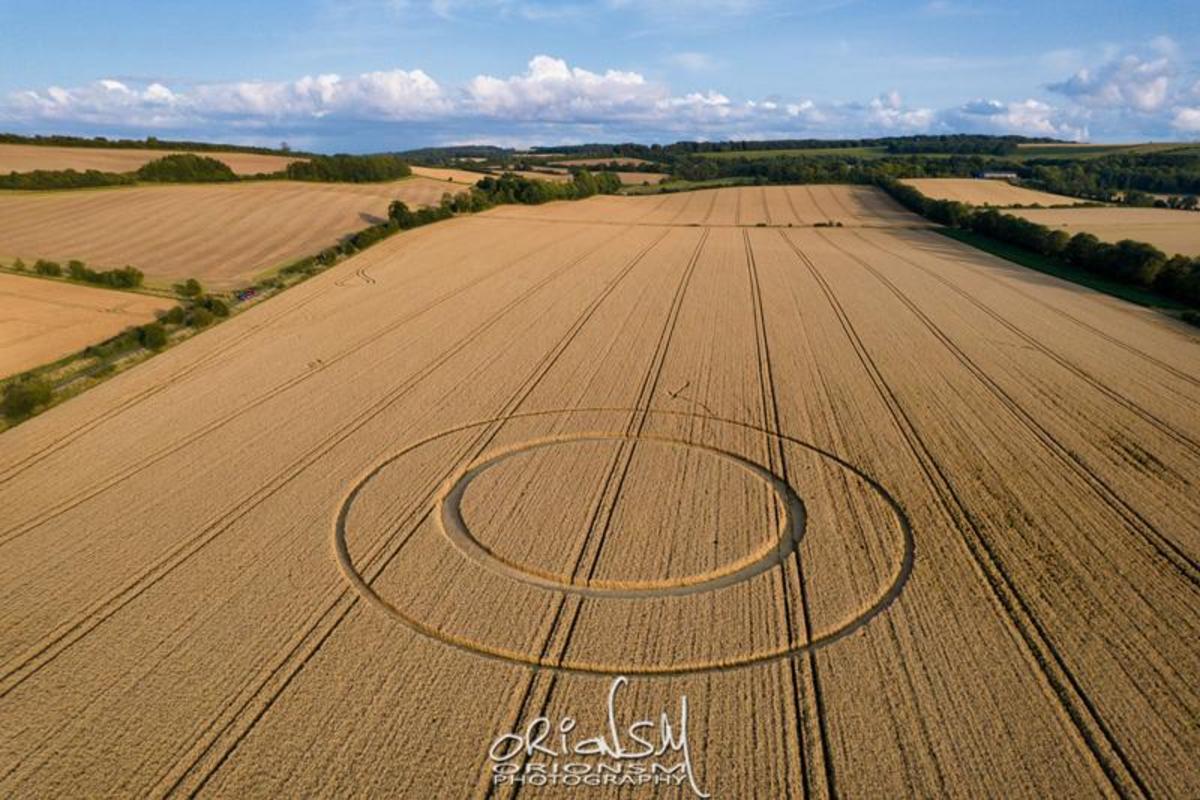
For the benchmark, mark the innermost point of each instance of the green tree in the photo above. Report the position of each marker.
(23, 397)
(186, 168)
(50, 268)
(189, 288)
(200, 317)
(1082, 250)
(153, 336)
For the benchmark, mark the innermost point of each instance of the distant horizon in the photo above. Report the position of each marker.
(376, 75)
(517, 148)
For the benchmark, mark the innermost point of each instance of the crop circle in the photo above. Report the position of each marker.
(445, 508)
(789, 531)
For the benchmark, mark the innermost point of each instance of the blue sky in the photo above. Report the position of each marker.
(363, 75)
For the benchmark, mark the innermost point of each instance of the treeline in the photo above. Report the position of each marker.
(149, 143)
(444, 155)
(122, 278)
(510, 188)
(957, 143)
(1135, 263)
(192, 168)
(185, 168)
(1110, 177)
(175, 168)
(833, 168)
(62, 179)
(964, 143)
(620, 166)
(344, 168)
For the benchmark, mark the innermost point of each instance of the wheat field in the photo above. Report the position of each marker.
(1170, 230)
(983, 192)
(898, 518)
(44, 320)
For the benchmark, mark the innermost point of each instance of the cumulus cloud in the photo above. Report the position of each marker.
(887, 112)
(1186, 119)
(1148, 90)
(1127, 82)
(101, 102)
(395, 94)
(560, 101)
(551, 90)
(1024, 117)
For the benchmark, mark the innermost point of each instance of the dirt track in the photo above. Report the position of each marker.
(239, 569)
(223, 235)
(28, 157)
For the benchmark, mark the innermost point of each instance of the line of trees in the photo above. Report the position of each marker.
(186, 168)
(122, 278)
(193, 168)
(62, 179)
(1110, 178)
(957, 143)
(1127, 261)
(348, 169)
(149, 143)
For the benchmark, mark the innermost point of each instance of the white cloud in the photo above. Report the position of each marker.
(395, 94)
(1186, 119)
(1127, 82)
(1025, 117)
(888, 113)
(554, 100)
(551, 90)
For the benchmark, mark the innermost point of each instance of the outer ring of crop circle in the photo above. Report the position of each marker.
(474, 648)
(787, 538)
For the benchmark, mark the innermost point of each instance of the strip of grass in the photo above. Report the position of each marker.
(1017, 255)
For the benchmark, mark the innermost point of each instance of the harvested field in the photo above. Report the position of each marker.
(223, 235)
(465, 177)
(981, 192)
(1170, 230)
(897, 518)
(28, 157)
(43, 321)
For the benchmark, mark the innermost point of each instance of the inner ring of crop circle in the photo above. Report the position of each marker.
(502, 654)
(788, 534)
